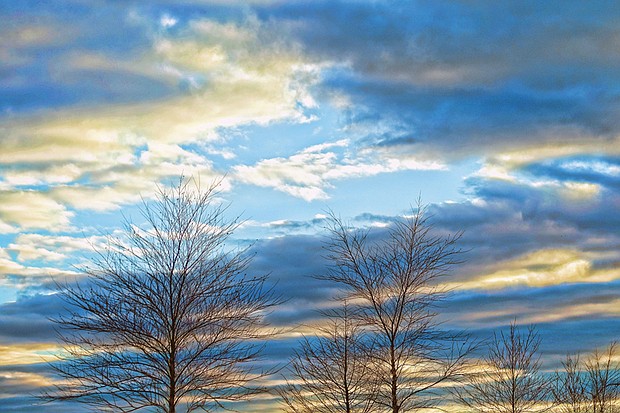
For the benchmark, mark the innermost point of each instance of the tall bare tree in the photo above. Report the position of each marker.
(393, 280)
(591, 386)
(330, 372)
(509, 379)
(167, 320)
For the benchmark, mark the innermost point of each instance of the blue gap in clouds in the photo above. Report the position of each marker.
(394, 193)
(268, 204)
(253, 143)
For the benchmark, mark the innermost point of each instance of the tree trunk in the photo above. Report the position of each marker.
(394, 377)
(347, 397)
(172, 395)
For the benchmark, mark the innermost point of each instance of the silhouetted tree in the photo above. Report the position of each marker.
(508, 379)
(393, 281)
(569, 390)
(330, 372)
(592, 386)
(168, 316)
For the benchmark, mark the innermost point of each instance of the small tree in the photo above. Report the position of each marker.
(603, 380)
(168, 317)
(569, 391)
(393, 281)
(330, 372)
(509, 379)
(591, 386)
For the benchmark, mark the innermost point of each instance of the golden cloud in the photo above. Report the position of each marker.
(538, 269)
(123, 151)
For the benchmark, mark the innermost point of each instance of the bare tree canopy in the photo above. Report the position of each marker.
(393, 280)
(509, 379)
(330, 373)
(603, 380)
(591, 385)
(168, 320)
(569, 390)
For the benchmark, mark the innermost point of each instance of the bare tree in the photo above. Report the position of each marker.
(603, 380)
(394, 282)
(591, 386)
(330, 372)
(569, 390)
(168, 319)
(509, 379)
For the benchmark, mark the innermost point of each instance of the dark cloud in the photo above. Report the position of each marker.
(539, 209)
(293, 262)
(395, 38)
(27, 320)
(551, 310)
(44, 41)
(558, 338)
(465, 76)
(502, 229)
(532, 301)
(540, 205)
(465, 121)
(28, 404)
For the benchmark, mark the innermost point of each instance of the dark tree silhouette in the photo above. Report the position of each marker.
(167, 320)
(603, 380)
(569, 390)
(330, 373)
(509, 379)
(394, 280)
(591, 386)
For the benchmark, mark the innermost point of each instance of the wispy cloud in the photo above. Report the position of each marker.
(311, 172)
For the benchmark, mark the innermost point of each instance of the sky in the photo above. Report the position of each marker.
(502, 117)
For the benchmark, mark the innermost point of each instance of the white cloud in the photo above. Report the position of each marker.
(20, 276)
(32, 246)
(167, 21)
(32, 210)
(102, 158)
(54, 174)
(308, 173)
(603, 168)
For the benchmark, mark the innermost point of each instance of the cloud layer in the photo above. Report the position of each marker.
(507, 116)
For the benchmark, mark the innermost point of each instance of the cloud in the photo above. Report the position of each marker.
(17, 278)
(99, 158)
(455, 79)
(529, 230)
(102, 104)
(293, 262)
(592, 170)
(51, 248)
(32, 210)
(111, 186)
(536, 269)
(561, 313)
(440, 44)
(26, 354)
(27, 328)
(46, 38)
(310, 172)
